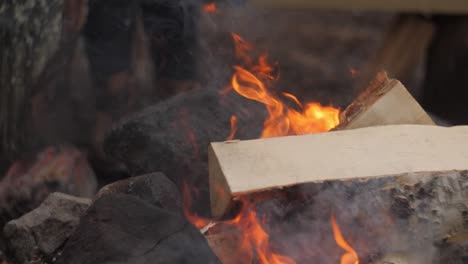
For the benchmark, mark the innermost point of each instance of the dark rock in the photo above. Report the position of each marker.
(43, 230)
(154, 188)
(56, 169)
(173, 136)
(121, 228)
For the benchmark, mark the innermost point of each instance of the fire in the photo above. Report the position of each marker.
(252, 80)
(210, 8)
(283, 120)
(350, 257)
(233, 128)
(255, 237)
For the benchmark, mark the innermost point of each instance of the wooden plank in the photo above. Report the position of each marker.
(243, 167)
(419, 6)
(384, 102)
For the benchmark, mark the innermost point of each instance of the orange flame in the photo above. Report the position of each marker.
(252, 81)
(233, 128)
(256, 238)
(282, 120)
(350, 257)
(210, 8)
(194, 219)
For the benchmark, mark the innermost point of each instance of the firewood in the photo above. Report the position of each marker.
(26, 49)
(419, 6)
(384, 102)
(246, 167)
(225, 245)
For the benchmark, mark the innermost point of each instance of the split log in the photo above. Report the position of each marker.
(226, 246)
(243, 167)
(384, 102)
(394, 188)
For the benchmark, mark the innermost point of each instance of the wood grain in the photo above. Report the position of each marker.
(242, 167)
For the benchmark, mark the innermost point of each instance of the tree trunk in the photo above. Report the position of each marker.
(30, 33)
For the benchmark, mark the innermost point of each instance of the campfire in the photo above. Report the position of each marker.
(252, 81)
(168, 132)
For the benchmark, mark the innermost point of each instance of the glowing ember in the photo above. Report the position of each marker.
(350, 257)
(210, 8)
(353, 72)
(283, 120)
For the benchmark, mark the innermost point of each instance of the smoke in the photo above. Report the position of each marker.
(405, 218)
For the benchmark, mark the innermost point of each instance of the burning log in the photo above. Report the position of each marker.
(384, 102)
(402, 188)
(245, 167)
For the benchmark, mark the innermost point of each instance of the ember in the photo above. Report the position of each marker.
(210, 8)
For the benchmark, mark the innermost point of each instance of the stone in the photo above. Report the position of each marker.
(136, 221)
(155, 188)
(56, 169)
(43, 230)
(173, 136)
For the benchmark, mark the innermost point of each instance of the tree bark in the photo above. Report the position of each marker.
(30, 33)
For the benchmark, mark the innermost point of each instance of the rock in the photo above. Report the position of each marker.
(57, 169)
(45, 229)
(154, 188)
(173, 136)
(134, 221)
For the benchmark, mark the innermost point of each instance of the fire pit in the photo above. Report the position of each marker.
(183, 141)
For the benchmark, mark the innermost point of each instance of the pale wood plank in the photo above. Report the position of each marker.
(241, 167)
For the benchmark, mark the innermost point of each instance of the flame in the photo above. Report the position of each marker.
(283, 120)
(252, 80)
(194, 219)
(350, 257)
(255, 237)
(233, 128)
(210, 8)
